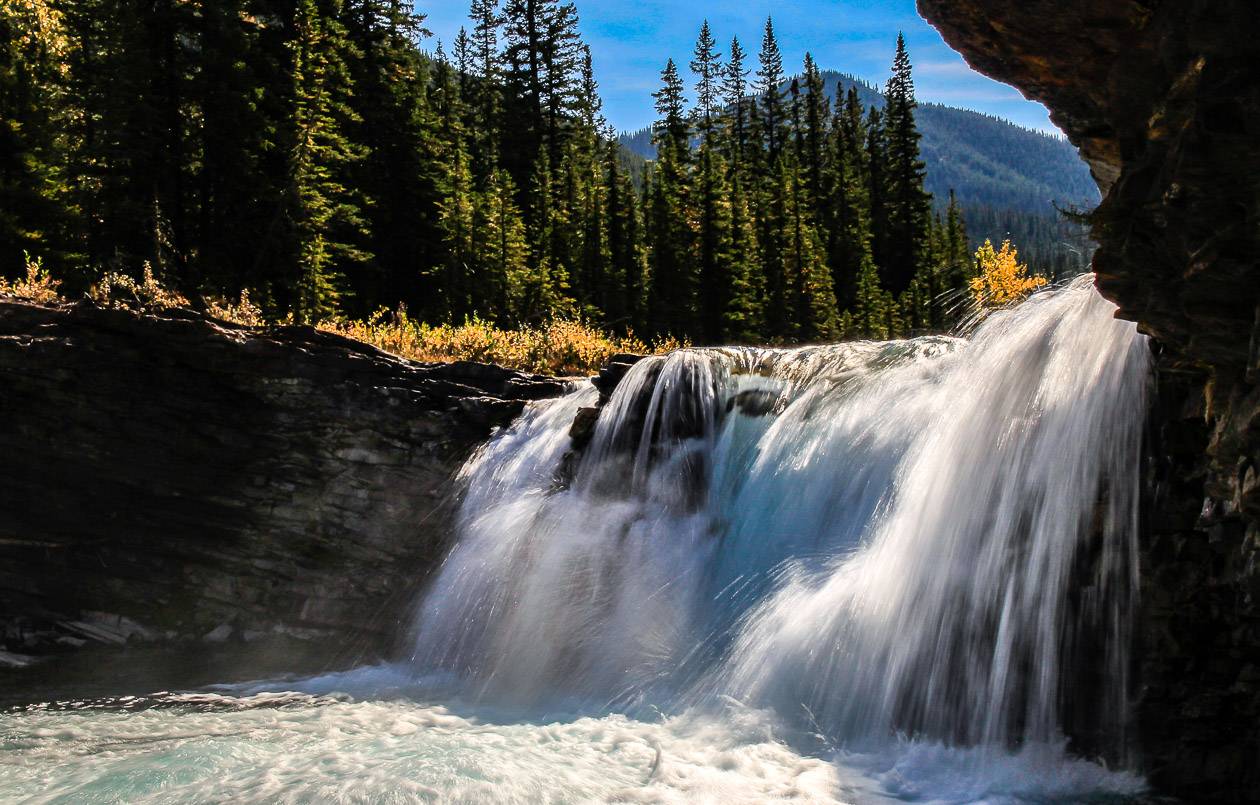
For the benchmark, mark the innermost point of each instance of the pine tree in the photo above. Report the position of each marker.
(744, 308)
(508, 289)
(706, 65)
(389, 108)
(485, 97)
(810, 296)
(35, 213)
(323, 214)
(876, 188)
(908, 204)
(734, 90)
(625, 305)
(769, 89)
(956, 265)
(672, 295)
(816, 115)
(849, 209)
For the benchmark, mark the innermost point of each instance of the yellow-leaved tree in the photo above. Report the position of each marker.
(1000, 278)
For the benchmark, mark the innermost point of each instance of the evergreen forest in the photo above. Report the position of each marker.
(329, 159)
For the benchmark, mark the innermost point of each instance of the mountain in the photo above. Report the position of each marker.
(986, 160)
(1007, 178)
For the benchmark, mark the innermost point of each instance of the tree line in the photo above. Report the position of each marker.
(313, 153)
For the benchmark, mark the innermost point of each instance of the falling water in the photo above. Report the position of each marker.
(930, 538)
(857, 573)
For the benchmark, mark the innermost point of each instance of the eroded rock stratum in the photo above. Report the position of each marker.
(168, 479)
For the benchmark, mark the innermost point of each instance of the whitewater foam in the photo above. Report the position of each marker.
(854, 573)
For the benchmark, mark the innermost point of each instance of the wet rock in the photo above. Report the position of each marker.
(1163, 100)
(490, 411)
(755, 402)
(583, 428)
(613, 373)
(166, 476)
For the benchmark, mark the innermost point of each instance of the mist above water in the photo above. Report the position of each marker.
(932, 538)
(872, 572)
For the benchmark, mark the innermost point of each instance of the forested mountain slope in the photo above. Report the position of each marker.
(985, 160)
(1008, 179)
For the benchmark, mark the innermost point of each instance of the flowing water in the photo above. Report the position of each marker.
(854, 573)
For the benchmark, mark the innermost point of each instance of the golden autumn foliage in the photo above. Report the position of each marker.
(37, 286)
(1001, 279)
(561, 347)
(243, 311)
(39, 24)
(119, 290)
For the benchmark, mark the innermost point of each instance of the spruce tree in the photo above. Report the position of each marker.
(908, 204)
(625, 304)
(876, 187)
(35, 216)
(508, 289)
(462, 51)
(672, 295)
(734, 90)
(323, 215)
(714, 244)
(768, 159)
(457, 221)
(743, 311)
(389, 108)
(706, 65)
(769, 89)
(241, 181)
(816, 115)
(956, 268)
(485, 97)
(867, 318)
(849, 205)
(809, 294)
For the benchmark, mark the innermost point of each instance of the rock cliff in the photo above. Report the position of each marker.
(1163, 99)
(169, 479)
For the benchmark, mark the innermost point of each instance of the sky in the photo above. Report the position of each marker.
(631, 39)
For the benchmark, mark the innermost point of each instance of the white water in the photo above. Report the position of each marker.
(859, 573)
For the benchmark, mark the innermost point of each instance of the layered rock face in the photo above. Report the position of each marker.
(1163, 99)
(166, 478)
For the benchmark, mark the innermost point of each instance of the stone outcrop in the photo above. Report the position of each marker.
(1163, 99)
(170, 479)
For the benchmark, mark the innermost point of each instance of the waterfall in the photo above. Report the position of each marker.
(932, 538)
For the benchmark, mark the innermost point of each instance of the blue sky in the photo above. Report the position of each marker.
(631, 39)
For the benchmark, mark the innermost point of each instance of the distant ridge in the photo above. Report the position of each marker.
(1008, 179)
(987, 161)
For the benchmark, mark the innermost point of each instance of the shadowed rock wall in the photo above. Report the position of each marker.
(167, 478)
(1163, 99)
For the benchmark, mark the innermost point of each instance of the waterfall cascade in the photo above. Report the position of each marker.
(932, 538)
(849, 574)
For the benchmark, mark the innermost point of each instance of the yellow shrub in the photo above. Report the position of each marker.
(119, 290)
(37, 286)
(243, 311)
(561, 347)
(1001, 279)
